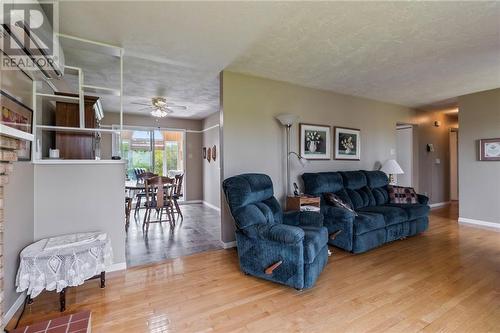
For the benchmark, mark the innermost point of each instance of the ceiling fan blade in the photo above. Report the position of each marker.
(138, 103)
(169, 110)
(146, 108)
(178, 107)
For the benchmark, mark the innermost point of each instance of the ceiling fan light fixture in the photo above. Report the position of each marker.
(159, 113)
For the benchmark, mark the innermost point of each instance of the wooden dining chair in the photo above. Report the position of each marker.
(159, 197)
(141, 194)
(178, 193)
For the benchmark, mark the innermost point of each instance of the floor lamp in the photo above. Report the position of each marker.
(288, 120)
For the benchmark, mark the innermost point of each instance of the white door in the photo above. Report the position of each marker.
(404, 154)
(454, 165)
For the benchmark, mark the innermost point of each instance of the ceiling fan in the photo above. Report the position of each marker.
(159, 107)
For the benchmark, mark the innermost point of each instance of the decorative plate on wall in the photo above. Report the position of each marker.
(214, 153)
(209, 154)
(204, 152)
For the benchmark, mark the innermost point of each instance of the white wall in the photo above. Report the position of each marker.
(211, 170)
(254, 141)
(81, 198)
(479, 181)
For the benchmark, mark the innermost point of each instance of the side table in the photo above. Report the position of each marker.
(295, 203)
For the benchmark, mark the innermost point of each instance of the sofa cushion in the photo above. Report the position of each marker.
(354, 179)
(366, 222)
(322, 182)
(315, 238)
(381, 196)
(376, 179)
(413, 211)
(392, 215)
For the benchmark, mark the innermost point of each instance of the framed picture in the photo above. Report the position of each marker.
(489, 149)
(18, 116)
(214, 153)
(315, 142)
(204, 153)
(347, 143)
(209, 154)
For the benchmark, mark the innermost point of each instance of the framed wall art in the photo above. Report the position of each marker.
(489, 149)
(315, 142)
(347, 143)
(18, 116)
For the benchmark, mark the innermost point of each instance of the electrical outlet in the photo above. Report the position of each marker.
(393, 151)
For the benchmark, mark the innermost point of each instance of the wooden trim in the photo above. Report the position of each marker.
(271, 268)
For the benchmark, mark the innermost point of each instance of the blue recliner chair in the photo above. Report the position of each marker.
(289, 248)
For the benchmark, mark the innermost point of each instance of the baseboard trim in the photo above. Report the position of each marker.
(228, 245)
(439, 204)
(479, 223)
(211, 206)
(119, 266)
(188, 202)
(13, 309)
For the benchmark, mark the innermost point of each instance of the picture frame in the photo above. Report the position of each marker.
(209, 154)
(214, 153)
(347, 143)
(489, 149)
(204, 153)
(315, 141)
(16, 115)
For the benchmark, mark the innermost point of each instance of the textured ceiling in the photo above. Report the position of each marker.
(410, 53)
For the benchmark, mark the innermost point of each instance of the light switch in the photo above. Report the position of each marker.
(438, 161)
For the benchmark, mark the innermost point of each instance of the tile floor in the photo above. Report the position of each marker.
(198, 232)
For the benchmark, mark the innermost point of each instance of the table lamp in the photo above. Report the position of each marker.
(391, 168)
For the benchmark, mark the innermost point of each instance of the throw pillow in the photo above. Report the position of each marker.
(334, 200)
(402, 195)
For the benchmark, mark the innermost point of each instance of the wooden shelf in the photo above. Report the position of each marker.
(15, 133)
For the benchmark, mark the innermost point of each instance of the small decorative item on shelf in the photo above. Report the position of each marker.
(214, 153)
(209, 154)
(315, 142)
(489, 149)
(204, 152)
(347, 143)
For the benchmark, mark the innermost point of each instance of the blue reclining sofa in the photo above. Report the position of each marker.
(289, 248)
(377, 221)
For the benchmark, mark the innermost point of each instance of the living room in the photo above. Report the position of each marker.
(311, 94)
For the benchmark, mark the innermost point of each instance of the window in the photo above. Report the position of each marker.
(159, 151)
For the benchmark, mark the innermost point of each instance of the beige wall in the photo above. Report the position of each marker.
(479, 185)
(72, 198)
(194, 171)
(19, 206)
(211, 170)
(254, 141)
(433, 177)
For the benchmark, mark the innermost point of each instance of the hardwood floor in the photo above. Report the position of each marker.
(445, 280)
(198, 232)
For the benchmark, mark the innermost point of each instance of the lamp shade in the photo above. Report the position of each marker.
(391, 167)
(287, 119)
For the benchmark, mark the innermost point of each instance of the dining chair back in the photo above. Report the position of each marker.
(159, 196)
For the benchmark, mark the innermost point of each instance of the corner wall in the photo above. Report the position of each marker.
(254, 141)
(479, 186)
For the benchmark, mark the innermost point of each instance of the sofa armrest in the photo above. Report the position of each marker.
(282, 233)
(422, 199)
(297, 218)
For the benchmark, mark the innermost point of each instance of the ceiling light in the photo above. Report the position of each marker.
(159, 113)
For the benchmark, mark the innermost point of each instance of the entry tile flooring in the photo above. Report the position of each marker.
(198, 232)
